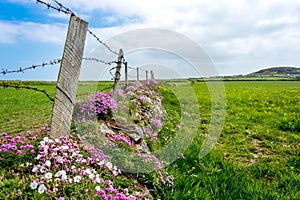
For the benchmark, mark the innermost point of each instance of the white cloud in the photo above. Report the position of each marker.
(11, 32)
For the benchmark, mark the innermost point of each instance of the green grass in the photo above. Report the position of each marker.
(257, 155)
(23, 109)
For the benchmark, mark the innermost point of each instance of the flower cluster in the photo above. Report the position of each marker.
(66, 161)
(119, 138)
(99, 105)
(21, 144)
(14, 144)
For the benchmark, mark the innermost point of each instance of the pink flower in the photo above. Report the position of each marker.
(156, 123)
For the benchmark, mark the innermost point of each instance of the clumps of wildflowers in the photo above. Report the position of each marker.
(119, 138)
(99, 105)
(21, 146)
(65, 160)
(143, 103)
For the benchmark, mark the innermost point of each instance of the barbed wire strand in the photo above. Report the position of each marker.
(53, 62)
(62, 6)
(101, 42)
(99, 60)
(21, 70)
(135, 68)
(58, 9)
(17, 87)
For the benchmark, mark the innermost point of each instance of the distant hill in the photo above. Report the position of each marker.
(276, 71)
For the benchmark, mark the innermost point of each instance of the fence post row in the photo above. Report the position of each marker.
(118, 74)
(68, 76)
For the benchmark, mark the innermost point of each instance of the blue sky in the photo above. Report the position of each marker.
(240, 37)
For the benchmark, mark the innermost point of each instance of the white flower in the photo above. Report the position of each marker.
(91, 176)
(46, 149)
(102, 162)
(50, 141)
(56, 149)
(38, 156)
(97, 188)
(115, 173)
(46, 139)
(48, 163)
(60, 173)
(73, 167)
(65, 147)
(33, 185)
(48, 175)
(41, 189)
(64, 177)
(70, 180)
(34, 169)
(73, 154)
(87, 171)
(77, 179)
(98, 180)
(109, 165)
(42, 170)
(115, 168)
(83, 161)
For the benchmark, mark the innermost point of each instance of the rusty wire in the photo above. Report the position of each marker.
(61, 8)
(21, 70)
(99, 60)
(17, 87)
(101, 42)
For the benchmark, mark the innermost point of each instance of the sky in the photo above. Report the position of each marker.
(238, 36)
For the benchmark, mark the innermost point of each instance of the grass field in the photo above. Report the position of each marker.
(257, 155)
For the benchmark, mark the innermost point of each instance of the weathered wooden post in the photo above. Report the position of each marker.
(138, 74)
(68, 76)
(147, 76)
(126, 75)
(152, 75)
(118, 74)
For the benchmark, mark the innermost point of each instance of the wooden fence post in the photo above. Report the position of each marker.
(138, 74)
(147, 76)
(152, 75)
(118, 74)
(68, 76)
(126, 75)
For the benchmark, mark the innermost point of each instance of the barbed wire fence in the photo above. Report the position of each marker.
(114, 70)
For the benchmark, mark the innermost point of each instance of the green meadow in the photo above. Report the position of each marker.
(257, 155)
